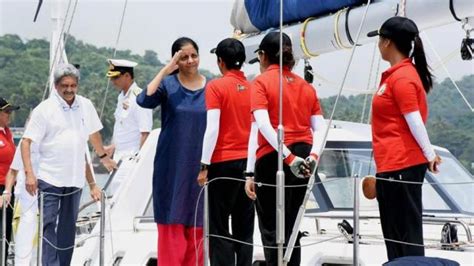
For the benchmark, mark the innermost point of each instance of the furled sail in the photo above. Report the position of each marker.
(256, 15)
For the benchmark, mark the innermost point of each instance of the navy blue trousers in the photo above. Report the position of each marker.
(59, 223)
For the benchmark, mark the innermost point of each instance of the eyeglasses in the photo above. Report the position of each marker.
(7, 111)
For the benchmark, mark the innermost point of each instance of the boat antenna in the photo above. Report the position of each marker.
(40, 2)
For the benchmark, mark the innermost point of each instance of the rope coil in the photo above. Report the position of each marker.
(305, 49)
(337, 37)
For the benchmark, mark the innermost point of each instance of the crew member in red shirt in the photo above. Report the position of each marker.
(402, 149)
(303, 126)
(7, 152)
(225, 155)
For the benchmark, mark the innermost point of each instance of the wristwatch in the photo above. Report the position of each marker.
(203, 167)
(249, 175)
(103, 155)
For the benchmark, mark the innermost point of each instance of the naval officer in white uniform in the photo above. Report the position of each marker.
(132, 122)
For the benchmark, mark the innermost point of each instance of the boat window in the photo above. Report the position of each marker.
(312, 203)
(432, 201)
(338, 166)
(336, 169)
(149, 208)
(451, 171)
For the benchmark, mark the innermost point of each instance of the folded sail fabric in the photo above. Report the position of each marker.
(258, 15)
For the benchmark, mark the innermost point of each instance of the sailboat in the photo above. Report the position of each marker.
(130, 231)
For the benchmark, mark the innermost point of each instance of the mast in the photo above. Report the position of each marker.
(57, 53)
(330, 33)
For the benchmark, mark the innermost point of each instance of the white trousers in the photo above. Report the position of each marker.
(27, 229)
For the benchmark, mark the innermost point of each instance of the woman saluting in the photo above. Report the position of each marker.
(179, 89)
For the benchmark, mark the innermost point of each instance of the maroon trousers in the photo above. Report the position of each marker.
(180, 245)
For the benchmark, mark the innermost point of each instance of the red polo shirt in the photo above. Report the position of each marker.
(400, 92)
(7, 151)
(300, 102)
(231, 95)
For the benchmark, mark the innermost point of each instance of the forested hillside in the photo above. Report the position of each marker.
(450, 122)
(24, 70)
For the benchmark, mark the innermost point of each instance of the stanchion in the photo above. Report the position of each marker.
(280, 211)
(206, 225)
(355, 235)
(102, 228)
(39, 257)
(4, 229)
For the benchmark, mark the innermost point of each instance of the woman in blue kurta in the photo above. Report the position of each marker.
(179, 89)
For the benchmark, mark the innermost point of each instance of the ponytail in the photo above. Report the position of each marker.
(288, 58)
(421, 65)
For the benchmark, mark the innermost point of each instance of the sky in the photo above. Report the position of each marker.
(155, 24)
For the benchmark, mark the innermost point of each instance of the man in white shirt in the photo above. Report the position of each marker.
(61, 126)
(132, 122)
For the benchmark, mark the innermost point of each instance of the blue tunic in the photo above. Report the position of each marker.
(178, 154)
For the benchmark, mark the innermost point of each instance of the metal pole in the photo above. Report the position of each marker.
(206, 225)
(355, 235)
(302, 208)
(280, 215)
(280, 176)
(4, 229)
(102, 229)
(39, 256)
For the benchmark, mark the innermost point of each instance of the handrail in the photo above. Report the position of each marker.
(427, 220)
(89, 203)
(434, 220)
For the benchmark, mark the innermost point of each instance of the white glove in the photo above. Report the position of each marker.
(297, 166)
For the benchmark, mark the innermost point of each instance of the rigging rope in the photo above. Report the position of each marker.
(376, 81)
(114, 53)
(46, 88)
(368, 83)
(447, 72)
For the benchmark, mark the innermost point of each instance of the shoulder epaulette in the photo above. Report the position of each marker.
(136, 91)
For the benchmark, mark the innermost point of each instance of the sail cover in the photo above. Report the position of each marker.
(259, 15)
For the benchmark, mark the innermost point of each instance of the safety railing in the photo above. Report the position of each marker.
(356, 234)
(39, 202)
